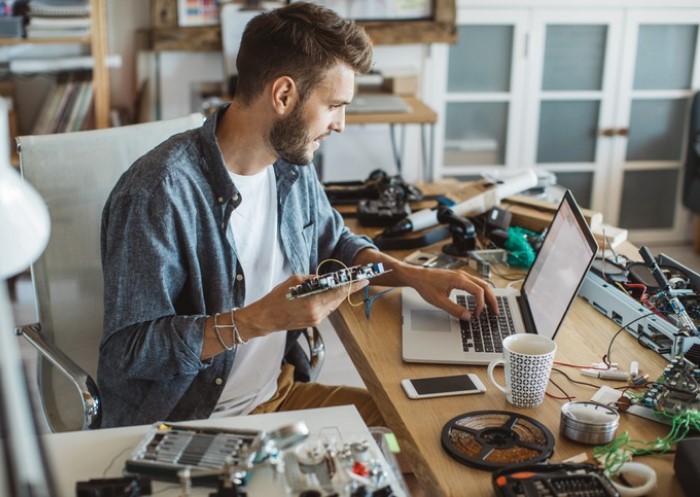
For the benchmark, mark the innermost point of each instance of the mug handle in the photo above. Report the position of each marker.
(492, 366)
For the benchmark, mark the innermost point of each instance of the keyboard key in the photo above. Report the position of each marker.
(486, 331)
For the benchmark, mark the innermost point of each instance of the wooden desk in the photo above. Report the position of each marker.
(420, 114)
(374, 346)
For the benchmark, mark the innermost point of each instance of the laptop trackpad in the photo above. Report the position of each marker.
(429, 320)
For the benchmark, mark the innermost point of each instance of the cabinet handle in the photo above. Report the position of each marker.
(610, 132)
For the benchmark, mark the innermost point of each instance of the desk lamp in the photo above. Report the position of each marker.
(24, 231)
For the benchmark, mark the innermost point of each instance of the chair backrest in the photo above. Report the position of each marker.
(74, 173)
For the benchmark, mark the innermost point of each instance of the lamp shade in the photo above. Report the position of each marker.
(24, 218)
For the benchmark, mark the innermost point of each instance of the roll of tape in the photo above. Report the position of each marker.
(639, 469)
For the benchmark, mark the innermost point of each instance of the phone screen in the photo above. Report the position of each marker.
(440, 384)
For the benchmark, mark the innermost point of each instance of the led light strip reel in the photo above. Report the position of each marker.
(490, 440)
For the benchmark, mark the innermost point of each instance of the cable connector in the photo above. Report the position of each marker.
(606, 375)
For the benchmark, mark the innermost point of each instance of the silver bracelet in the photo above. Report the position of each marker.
(218, 334)
(237, 339)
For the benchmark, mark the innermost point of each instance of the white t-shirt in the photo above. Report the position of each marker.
(253, 378)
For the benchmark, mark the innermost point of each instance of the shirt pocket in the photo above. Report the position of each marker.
(308, 233)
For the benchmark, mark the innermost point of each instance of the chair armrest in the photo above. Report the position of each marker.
(83, 382)
(317, 351)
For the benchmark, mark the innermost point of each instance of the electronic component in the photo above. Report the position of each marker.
(339, 466)
(335, 279)
(676, 391)
(553, 480)
(381, 212)
(616, 290)
(685, 324)
(497, 218)
(433, 259)
(379, 185)
(462, 230)
(129, 486)
(168, 448)
(481, 260)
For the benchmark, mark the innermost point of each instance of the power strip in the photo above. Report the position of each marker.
(336, 279)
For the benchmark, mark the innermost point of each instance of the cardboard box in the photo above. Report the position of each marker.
(401, 84)
(536, 214)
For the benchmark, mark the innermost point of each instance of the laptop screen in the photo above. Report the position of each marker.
(559, 269)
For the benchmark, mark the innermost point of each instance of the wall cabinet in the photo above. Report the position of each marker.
(599, 96)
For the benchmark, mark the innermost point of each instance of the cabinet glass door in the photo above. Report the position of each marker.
(571, 80)
(482, 93)
(656, 92)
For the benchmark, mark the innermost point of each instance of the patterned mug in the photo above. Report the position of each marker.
(527, 360)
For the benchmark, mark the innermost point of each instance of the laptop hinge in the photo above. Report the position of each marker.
(526, 314)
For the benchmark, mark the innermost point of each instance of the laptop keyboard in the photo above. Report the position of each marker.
(485, 333)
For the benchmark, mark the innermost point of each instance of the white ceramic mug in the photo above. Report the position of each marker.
(527, 360)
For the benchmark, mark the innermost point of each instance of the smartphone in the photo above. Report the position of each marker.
(440, 386)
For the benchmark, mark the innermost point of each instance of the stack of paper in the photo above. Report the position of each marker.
(59, 19)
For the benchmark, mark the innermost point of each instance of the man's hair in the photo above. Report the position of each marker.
(301, 40)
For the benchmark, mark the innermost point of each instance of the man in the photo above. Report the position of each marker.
(203, 236)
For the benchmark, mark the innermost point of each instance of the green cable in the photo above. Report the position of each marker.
(617, 452)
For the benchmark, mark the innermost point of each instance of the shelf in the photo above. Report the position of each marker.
(85, 40)
(97, 43)
(167, 35)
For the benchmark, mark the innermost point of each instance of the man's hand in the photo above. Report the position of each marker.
(276, 312)
(435, 286)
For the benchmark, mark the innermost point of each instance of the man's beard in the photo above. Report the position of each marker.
(290, 139)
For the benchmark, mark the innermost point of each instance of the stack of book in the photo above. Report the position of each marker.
(67, 106)
(58, 19)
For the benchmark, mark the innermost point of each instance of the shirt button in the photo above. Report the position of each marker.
(235, 198)
(220, 199)
(219, 381)
(239, 277)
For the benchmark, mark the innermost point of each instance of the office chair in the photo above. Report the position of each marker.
(74, 173)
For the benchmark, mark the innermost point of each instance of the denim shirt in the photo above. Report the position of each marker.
(169, 260)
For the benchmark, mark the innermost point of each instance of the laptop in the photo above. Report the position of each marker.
(377, 103)
(431, 335)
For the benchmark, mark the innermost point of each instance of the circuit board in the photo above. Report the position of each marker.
(168, 448)
(675, 392)
(336, 279)
(628, 294)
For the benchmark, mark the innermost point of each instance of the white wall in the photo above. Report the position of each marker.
(127, 20)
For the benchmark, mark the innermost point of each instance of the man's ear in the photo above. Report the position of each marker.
(284, 95)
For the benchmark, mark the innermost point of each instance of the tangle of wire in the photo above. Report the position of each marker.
(607, 356)
(620, 450)
(367, 300)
